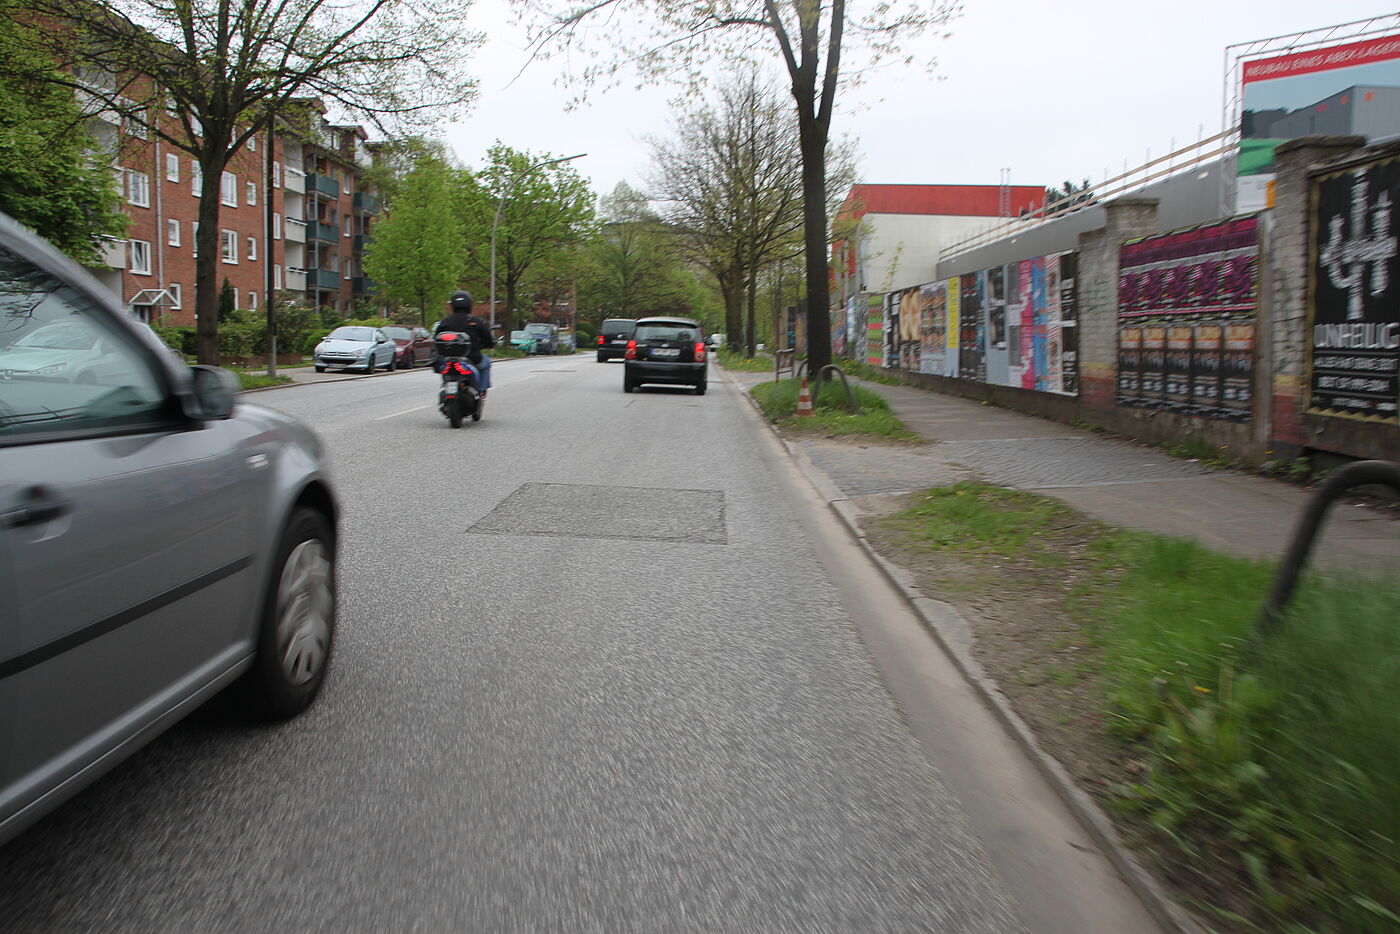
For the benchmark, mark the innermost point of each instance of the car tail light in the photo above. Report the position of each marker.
(699, 352)
(631, 351)
(600, 340)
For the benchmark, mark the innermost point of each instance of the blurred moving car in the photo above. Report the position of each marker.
(546, 337)
(355, 347)
(613, 336)
(160, 541)
(412, 346)
(523, 340)
(666, 350)
(567, 342)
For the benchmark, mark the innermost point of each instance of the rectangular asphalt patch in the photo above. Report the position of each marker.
(576, 510)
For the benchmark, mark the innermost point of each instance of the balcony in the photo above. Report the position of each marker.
(296, 280)
(322, 185)
(323, 279)
(362, 285)
(362, 242)
(326, 233)
(113, 253)
(295, 230)
(366, 203)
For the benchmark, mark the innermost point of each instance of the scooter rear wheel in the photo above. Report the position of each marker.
(454, 413)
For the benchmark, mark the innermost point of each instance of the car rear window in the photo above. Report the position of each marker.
(398, 334)
(666, 331)
(619, 324)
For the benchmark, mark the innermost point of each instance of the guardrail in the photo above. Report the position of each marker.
(1180, 160)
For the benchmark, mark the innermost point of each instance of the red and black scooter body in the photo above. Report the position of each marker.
(460, 395)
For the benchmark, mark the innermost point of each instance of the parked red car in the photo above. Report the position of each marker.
(412, 346)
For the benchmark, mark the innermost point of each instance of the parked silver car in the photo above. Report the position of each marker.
(356, 346)
(160, 541)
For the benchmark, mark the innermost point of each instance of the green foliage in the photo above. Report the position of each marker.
(862, 370)
(228, 301)
(778, 400)
(1279, 771)
(417, 251)
(259, 380)
(47, 180)
(243, 333)
(295, 320)
(178, 338)
(731, 360)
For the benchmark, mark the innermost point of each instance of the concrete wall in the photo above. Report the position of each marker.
(900, 250)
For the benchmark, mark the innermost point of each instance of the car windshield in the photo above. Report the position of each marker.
(399, 334)
(665, 331)
(351, 334)
(537, 328)
(66, 335)
(519, 336)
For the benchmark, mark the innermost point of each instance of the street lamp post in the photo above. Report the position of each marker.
(500, 205)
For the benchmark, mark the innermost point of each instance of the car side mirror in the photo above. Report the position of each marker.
(213, 391)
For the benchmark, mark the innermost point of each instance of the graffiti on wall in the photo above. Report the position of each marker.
(1186, 303)
(1354, 316)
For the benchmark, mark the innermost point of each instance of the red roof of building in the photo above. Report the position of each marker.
(963, 200)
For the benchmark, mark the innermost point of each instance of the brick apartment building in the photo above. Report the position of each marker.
(294, 200)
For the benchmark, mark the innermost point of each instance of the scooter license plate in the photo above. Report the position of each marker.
(450, 388)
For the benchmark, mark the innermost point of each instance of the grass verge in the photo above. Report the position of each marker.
(778, 400)
(1266, 785)
(260, 380)
(734, 361)
(862, 370)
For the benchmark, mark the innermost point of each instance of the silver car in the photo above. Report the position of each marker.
(159, 540)
(357, 346)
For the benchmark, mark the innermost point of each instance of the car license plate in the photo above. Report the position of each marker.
(667, 352)
(450, 388)
(620, 340)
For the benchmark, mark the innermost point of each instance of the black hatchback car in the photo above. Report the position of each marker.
(666, 350)
(613, 337)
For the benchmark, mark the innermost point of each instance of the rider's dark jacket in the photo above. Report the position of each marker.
(468, 323)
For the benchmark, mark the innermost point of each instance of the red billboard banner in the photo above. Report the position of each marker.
(1339, 56)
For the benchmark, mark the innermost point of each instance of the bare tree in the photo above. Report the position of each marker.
(205, 76)
(680, 39)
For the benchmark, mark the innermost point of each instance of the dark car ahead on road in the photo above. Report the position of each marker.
(412, 345)
(159, 539)
(613, 337)
(670, 351)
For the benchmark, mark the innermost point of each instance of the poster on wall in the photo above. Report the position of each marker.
(1350, 88)
(1069, 324)
(1025, 277)
(1354, 293)
(875, 330)
(933, 327)
(1191, 296)
(1130, 366)
(950, 361)
(971, 364)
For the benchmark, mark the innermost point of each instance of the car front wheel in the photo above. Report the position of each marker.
(298, 621)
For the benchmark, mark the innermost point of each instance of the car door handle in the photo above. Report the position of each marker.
(40, 506)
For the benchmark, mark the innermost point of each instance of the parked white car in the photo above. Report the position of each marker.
(356, 347)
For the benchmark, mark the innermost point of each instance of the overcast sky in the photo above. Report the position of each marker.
(1051, 90)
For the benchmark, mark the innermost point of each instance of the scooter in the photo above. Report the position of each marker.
(460, 394)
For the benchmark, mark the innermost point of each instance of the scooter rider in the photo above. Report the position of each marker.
(462, 320)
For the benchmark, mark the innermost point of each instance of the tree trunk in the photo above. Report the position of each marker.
(752, 289)
(510, 307)
(206, 266)
(733, 309)
(814, 242)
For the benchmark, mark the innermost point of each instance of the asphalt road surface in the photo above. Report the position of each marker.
(591, 675)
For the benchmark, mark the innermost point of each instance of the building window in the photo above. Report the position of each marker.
(194, 237)
(252, 144)
(252, 192)
(228, 246)
(347, 228)
(196, 178)
(172, 167)
(172, 232)
(276, 175)
(276, 226)
(345, 183)
(230, 189)
(277, 277)
(141, 257)
(176, 299)
(138, 189)
(252, 249)
(136, 124)
(253, 300)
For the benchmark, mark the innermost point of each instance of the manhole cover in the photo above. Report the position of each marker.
(577, 510)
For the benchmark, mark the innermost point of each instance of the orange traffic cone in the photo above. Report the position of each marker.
(804, 400)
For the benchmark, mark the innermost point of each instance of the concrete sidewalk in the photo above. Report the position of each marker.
(1119, 482)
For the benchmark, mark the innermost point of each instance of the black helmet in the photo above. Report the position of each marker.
(461, 301)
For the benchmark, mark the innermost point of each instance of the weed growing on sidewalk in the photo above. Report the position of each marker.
(735, 361)
(862, 370)
(260, 380)
(1268, 786)
(832, 417)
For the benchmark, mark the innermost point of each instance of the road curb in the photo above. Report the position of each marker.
(953, 635)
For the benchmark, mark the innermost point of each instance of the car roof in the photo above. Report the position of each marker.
(668, 320)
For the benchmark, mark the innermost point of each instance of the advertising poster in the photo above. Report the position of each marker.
(1069, 324)
(1237, 372)
(1354, 294)
(1207, 344)
(933, 327)
(1152, 382)
(1014, 304)
(994, 326)
(875, 330)
(1025, 276)
(1350, 88)
(954, 327)
(1040, 309)
(1129, 366)
(1053, 347)
(970, 363)
(1177, 391)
